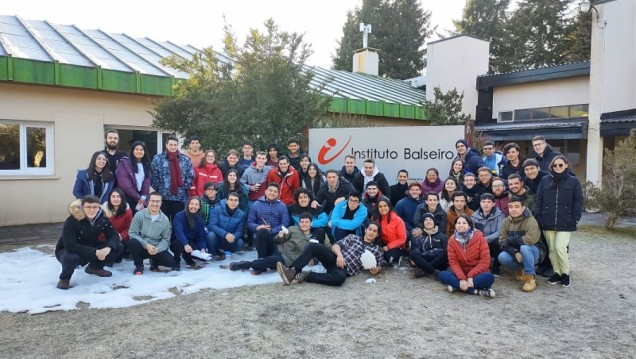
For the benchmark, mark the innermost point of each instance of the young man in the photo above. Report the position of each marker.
(333, 191)
(194, 152)
(112, 152)
(247, 159)
(370, 173)
(87, 237)
(472, 159)
(514, 165)
(407, 206)
(319, 218)
(266, 219)
(542, 152)
(172, 176)
(349, 170)
(458, 207)
(428, 251)
(517, 188)
(293, 146)
(488, 219)
(492, 158)
(287, 178)
(255, 176)
(209, 200)
(398, 190)
(225, 228)
(231, 162)
(533, 174)
(150, 237)
(342, 260)
(347, 217)
(287, 249)
(431, 205)
(521, 249)
(473, 191)
(371, 197)
(485, 179)
(501, 195)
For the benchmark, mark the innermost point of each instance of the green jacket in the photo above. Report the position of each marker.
(144, 230)
(292, 244)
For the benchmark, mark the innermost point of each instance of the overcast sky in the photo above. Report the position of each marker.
(200, 23)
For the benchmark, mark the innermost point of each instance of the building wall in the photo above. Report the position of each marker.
(79, 117)
(456, 63)
(570, 91)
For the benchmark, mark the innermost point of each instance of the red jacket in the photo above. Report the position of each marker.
(121, 223)
(472, 261)
(287, 184)
(209, 173)
(394, 233)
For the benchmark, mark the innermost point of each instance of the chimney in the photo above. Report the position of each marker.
(366, 60)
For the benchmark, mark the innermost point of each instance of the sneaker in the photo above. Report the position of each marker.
(242, 265)
(219, 257)
(286, 274)
(418, 272)
(451, 289)
(301, 277)
(97, 272)
(496, 271)
(555, 279)
(436, 275)
(64, 284)
(154, 268)
(565, 280)
(490, 293)
(139, 270)
(194, 266)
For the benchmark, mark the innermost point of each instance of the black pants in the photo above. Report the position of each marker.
(138, 254)
(177, 248)
(393, 255)
(440, 262)
(340, 233)
(334, 277)
(266, 251)
(495, 249)
(319, 233)
(70, 261)
(170, 209)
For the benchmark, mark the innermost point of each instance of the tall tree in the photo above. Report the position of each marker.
(486, 19)
(264, 95)
(579, 38)
(350, 41)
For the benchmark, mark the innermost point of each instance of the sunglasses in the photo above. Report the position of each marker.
(560, 165)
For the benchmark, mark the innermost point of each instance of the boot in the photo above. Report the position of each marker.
(530, 284)
(519, 276)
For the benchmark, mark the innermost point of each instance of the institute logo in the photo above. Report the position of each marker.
(330, 147)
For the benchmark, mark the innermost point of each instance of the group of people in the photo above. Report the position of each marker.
(494, 209)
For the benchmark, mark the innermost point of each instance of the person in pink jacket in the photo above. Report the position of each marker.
(133, 176)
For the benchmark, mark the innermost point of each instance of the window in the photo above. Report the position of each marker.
(26, 148)
(150, 137)
(505, 116)
(544, 113)
(521, 115)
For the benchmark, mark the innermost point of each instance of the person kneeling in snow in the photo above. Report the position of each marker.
(342, 260)
(87, 237)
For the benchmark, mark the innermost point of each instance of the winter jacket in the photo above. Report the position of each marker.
(558, 207)
(533, 184)
(527, 197)
(523, 230)
(469, 262)
(202, 175)
(288, 183)
(160, 179)
(501, 202)
(81, 238)
(265, 212)
(489, 225)
(292, 244)
(225, 168)
(548, 155)
(359, 182)
(83, 186)
(185, 234)
(398, 191)
(221, 223)
(147, 231)
(372, 204)
(439, 214)
(472, 161)
(208, 205)
(326, 198)
(244, 203)
(436, 187)
(509, 169)
(127, 181)
(348, 177)
(121, 223)
(474, 196)
(312, 185)
(432, 246)
(252, 176)
(406, 208)
(394, 232)
(355, 223)
(451, 216)
(495, 162)
(319, 218)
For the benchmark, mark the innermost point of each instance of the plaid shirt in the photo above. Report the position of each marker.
(352, 247)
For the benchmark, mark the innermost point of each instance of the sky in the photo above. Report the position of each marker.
(200, 23)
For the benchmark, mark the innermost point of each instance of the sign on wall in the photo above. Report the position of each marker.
(413, 148)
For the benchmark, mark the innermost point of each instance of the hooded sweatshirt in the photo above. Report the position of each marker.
(519, 231)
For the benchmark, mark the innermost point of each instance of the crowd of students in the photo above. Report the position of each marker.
(494, 209)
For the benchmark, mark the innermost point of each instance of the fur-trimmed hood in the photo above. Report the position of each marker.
(75, 209)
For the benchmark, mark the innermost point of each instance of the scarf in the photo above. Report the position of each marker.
(463, 237)
(229, 210)
(558, 178)
(98, 184)
(176, 179)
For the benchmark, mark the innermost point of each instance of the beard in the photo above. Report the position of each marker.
(111, 147)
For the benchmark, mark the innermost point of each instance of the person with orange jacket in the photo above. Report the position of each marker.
(287, 179)
(393, 231)
(205, 171)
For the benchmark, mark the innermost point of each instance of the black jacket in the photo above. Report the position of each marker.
(439, 214)
(558, 206)
(327, 199)
(383, 184)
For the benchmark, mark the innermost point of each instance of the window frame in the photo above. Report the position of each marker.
(24, 169)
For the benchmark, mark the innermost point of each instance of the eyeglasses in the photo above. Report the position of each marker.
(560, 165)
(91, 208)
(497, 186)
(155, 201)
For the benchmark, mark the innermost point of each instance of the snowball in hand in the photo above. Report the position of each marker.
(368, 260)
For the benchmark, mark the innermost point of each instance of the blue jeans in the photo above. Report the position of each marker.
(530, 257)
(481, 281)
(216, 243)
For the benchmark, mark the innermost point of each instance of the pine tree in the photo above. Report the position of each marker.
(579, 38)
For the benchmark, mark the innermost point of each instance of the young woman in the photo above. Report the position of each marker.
(469, 260)
(272, 155)
(428, 251)
(96, 179)
(432, 182)
(232, 183)
(558, 207)
(118, 212)
(393, 231)
(189, 231)
(133, 176)
(457, 170)
(304, 161)
(445, 196)
(207, 171)
(313, 180)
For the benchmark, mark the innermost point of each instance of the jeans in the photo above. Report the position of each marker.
(70, 261)
(440, 262)
(220, 244)
(335, 276)
(481, 281)
(530, 256)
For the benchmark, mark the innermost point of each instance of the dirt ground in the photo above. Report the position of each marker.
(396, 317)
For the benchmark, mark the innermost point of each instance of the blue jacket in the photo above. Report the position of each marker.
(160, 180)
(264, 212)
(319, 218)
(405, 208)
(490, 225)
(558, 206)
(185, 234)
(472, 161)
(83, 186)
(348, 224)
(221, 223)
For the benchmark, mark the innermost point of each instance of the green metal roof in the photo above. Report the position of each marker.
(38, 52)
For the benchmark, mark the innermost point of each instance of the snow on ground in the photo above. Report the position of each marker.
(28, 279)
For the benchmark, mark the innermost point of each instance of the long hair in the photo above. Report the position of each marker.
(226, 182)
(122, 206)
(457, 159)
(376, 212)
(378, 239)
(444, 194)
(145, 160)
(90, 169)
(273, 146)
(204, 161)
